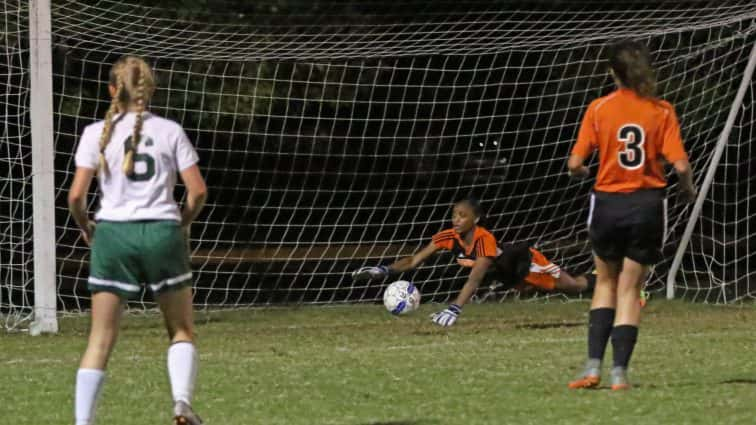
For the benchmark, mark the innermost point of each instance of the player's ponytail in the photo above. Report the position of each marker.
(134, 84)
(631, 63)
(107, 128)
(128, 159)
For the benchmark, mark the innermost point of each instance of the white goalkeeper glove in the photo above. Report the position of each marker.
(448, 316)
(371, 273)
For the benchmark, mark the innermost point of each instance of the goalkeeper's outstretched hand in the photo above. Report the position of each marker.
(448, 316)
(371, 273)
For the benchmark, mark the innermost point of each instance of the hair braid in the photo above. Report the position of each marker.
(128, 161)
(107, 129)
(134, 85)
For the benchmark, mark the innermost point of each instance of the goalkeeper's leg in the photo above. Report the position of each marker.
(586, 283)
(106, 315)
(183, 361)
(575, 285)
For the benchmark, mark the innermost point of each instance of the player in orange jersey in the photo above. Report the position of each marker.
(634, 133)
(476, 248)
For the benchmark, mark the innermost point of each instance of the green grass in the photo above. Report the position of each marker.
(501, 364)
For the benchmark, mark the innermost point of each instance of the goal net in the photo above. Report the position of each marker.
(336, 137)
(719, 261)
(16, 262)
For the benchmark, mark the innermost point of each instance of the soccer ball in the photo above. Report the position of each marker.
(401, 297)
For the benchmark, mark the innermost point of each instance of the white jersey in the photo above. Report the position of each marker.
(162, 152)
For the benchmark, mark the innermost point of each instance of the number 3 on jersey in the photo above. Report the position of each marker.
(149, 162)
(633, 156)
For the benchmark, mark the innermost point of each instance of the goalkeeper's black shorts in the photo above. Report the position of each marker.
(513, 264)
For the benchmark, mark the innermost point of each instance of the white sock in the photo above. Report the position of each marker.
(88, 386)
(182, 370)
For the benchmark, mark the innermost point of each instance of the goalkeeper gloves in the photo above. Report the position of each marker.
(371, 273)
(447, 317)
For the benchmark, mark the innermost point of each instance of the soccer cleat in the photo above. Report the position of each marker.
(184, 415)
(586, 382)
(619, 379)
(590, 378)
(643, 298)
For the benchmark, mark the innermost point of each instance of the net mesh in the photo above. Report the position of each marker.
(16, 275)
(332, 140)
(719, 263)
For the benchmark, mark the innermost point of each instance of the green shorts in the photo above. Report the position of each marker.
(129, 255)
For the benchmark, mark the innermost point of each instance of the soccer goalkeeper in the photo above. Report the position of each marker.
(476, 248)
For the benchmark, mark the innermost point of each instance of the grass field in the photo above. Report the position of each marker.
(501, 364)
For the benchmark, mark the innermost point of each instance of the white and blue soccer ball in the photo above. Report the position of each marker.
(401, 297)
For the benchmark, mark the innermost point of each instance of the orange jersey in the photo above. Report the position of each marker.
(542, 273)
(483, 245)
(632, 134)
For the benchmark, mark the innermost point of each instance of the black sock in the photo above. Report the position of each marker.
(600, 321)
(623, 342)
(591, 279)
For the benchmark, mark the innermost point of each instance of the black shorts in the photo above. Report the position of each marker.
(512, 264)
(632, 225)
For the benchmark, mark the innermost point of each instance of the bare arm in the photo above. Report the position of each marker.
(77, 201)
(575, 167)
(482, 264)
(685, 176)
(196, 194)
(410, 262)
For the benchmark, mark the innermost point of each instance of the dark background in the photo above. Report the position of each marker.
(337, 134)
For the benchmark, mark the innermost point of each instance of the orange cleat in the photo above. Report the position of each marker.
(586, 382)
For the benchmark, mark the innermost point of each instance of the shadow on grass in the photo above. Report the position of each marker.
(739, 381)
(550, 325)
(641, 386)
(483, 326)
(401, 422)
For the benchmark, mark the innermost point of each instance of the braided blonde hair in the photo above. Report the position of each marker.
(134, 84)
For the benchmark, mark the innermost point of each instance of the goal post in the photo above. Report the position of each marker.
(43, 168)
(724, 137)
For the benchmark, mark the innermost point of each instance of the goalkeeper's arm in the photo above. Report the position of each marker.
(402, 265)
(449, 315)
(482, 265)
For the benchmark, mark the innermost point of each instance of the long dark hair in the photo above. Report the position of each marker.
(631, 63)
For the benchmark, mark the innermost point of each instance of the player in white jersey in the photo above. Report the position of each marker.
(140, 237)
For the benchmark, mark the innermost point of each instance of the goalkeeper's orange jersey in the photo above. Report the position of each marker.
(632, 134)
(543, 273)
(482, 245)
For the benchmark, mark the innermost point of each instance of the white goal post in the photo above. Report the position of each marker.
(745, 85)
(332, 139)
(43, 168)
